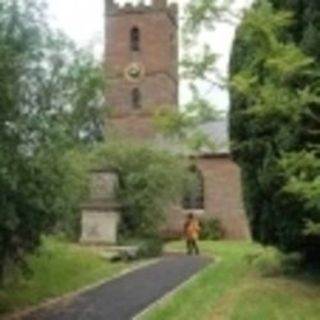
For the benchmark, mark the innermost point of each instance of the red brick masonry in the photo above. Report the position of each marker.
(223, 198)
(157, 57)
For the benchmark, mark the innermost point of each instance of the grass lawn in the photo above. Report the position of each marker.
(58, 269)
(234, 289)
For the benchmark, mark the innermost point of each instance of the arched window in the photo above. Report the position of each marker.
(194, 197)
(135, 39)
(136, 98)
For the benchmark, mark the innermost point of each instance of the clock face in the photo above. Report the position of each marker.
(134, 72)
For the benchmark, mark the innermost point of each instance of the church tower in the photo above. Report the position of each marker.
(141, 61)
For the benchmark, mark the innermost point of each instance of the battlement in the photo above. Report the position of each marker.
(114, 8)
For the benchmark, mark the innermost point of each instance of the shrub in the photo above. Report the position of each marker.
(211, 229)
(150, 247)
(149, 180)
(271, 262)
(268, 262)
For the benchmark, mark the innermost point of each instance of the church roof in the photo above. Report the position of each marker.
(217, 133)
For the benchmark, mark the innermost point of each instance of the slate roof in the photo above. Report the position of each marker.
(218, 133)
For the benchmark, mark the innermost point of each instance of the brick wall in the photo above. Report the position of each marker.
(223, 198)
(158, 58)
(158, 42)
(156, 91)
(134, 127)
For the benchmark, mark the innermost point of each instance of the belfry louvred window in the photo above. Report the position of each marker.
(136, 98)
(135, 39)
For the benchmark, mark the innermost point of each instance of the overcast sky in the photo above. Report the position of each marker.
(82, 20)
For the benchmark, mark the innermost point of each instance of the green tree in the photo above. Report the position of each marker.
(150, 181)
(50, 105)
(274, 118)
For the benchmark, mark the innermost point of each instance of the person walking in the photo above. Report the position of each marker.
(191, 232)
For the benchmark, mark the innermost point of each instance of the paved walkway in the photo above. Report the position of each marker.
(125, 297)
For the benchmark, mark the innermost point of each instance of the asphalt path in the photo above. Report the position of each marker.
(127, 296)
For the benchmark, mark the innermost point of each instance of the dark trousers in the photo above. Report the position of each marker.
(192, 247)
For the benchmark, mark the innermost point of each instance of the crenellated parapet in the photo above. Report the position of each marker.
(114, 8)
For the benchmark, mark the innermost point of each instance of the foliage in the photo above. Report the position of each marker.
(50, 103)
(302, 172)
(150, 180)
(273, 117)
(53, 274)
(184, 126)
(68, 177)
(271, 263)
(206, 14)
(211, 229)
(151, 247)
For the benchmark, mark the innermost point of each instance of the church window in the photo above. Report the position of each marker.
(135, 39)
(136, 98)
(194, 197)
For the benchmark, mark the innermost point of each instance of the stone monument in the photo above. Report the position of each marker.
(100, 213)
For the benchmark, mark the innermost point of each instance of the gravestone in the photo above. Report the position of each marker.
(100, 215)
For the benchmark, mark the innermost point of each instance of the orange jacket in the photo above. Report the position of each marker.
(192, 229)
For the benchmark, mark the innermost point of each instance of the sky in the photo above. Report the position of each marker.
(82, 20)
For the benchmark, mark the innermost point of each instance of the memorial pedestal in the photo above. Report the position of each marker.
(100, 215)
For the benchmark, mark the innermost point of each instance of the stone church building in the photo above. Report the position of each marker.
(141, 59)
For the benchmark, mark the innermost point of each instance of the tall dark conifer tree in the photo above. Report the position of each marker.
(260, 142)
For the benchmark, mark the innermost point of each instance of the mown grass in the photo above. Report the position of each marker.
(234, 289)
(58, 269)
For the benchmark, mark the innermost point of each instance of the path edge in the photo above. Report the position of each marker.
(72, 295)
(174, 291)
